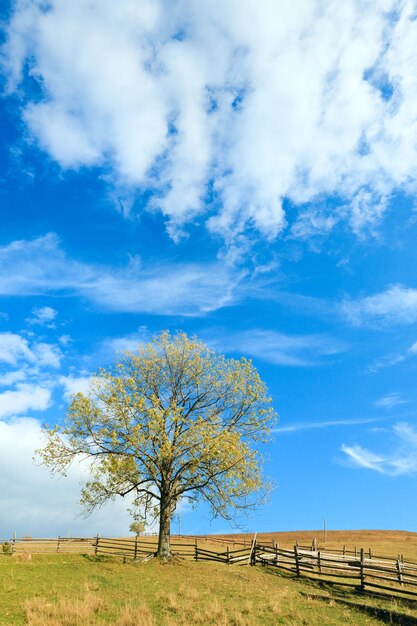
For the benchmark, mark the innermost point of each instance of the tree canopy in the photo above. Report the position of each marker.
(172, 420)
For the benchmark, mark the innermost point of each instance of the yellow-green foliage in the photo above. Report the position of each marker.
(173, 420)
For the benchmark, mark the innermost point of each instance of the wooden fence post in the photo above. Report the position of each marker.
(228, 555)
(57, 546)
(136, 548)
(297, 560)
(400, 572)
(252, 555)
(96, 545)
(362, 564)
(196, 550)
(319, 560)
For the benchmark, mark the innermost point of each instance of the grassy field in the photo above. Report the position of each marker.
(80, 589)
(72, 590)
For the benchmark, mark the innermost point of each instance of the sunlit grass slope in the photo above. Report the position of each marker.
(72, 590)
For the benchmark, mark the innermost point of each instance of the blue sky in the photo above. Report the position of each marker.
(240, 171)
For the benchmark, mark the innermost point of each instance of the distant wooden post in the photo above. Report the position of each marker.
(370, 553)
(196, 550)
(344, 550)
(276, 554)
(57, 546)
(297, 560)
(319, 560)
(96, 545)
(362, 568)
(314, 546)
(228, 555)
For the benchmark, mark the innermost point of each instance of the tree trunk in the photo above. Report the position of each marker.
(164, 550)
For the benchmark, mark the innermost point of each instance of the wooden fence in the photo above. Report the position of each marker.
(74, 545)
(136, 548)
(358, 569)
(363, 571)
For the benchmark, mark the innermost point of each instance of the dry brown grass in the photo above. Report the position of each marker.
(75, 612)
(22, 556)
(139, 616)
(65, 612)
(381, 542)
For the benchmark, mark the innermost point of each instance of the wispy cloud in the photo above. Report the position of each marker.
(302, 426)
(390, 400)
(364, 458)
(40, 267)
(393, 359)
(279, 348)
(402, 460)
(220, 103)
(397, 304)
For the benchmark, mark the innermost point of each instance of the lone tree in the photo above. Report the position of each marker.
(174, 420)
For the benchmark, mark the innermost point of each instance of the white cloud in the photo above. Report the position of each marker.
(397, 304)
(41, 267)
(24, 398)
(12, 377)
(16, 349)
(47, 355)
(44, 315)
(127, 343)
(291, 101)
(13, 348)
(74, 384)
(32, 502)
(402, 460)
(279, 348)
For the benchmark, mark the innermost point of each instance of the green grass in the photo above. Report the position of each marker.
(75, 590)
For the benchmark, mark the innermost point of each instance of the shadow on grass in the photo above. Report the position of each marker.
(343, 597)
(388, 616)
(97, 558)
